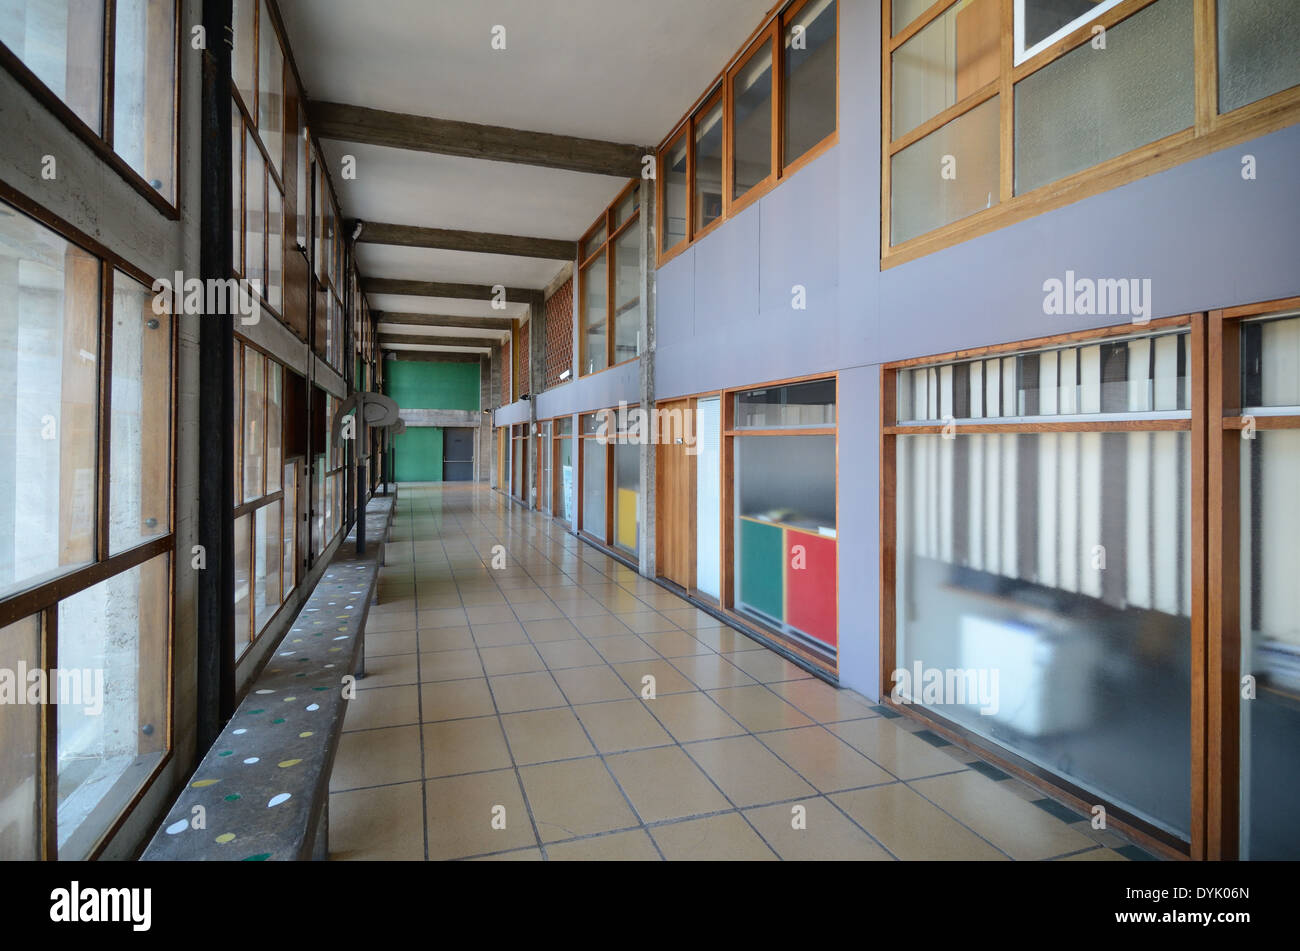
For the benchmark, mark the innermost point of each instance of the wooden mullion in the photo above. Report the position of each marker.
(956, 110)
(1206, 52)
(886, 120)
(1261, 422)
(1198, 367)
(49, 778)
(932, 13)
(1078, 37)
(104, 412)
(1082, 425)
(1006, 104)
(727, 541)
(888, 528)
(109, 71)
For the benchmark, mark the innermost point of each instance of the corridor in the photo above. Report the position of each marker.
(506, 715)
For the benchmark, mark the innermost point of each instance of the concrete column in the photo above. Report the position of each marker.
(494, 390)
(646, 503)
(536, 382)
(483, 441)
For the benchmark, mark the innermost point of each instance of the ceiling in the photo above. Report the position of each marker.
(620, 71)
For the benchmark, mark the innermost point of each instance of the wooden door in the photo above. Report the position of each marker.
(675, 500)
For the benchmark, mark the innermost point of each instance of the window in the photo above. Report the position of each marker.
(85, 523)
(809, 77)
(751, 91)
(128, 106)
(673, 200)
(708, 165)
(611, 272)
(1032, 544)
(1093, 95)
(783, 447)
(595, 471)
(566, 470)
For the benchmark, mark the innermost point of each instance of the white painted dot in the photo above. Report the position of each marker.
(178, 827)
(341, 637)
(240, 732)
(314, 706)
(251, 760)
(265, 691)
(278, 798)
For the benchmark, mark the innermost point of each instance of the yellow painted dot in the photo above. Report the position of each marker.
(226, 837)
(287, 699)
(290, 762)
(304, 735)
(334, 650)
(205, 782)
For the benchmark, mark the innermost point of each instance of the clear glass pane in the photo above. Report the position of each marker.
(627, 295)
(1085, 108)
(289, 527)
(708, 501)
(1270, 644)
(112, 714)
(904, 12)
(595, 314)
(266, 565)
(594, 241)
(270, 90)
(49, 358)
(274, 423)
(627, 206)
(237, 188)
(243, 61)
(675, 195)
(243, 583)
(274, 246)
(593, 488)
(1043, 19)
(951, 173)
(751, 121)
(568, 476)
(778, 407)
(810, 78)
(1270, 362)
(140, 454)
(1258, 40)
(144, 89)
(254, 215)
(1046, 577)
(62, 42)
(254, 424)
(708, 166)
(954, 55)
(20, 753)
(627, 493)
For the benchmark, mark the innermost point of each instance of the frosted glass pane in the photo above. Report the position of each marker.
(787, 479)
(593, 488)
(1270, 643)
(20, 754)
(949, 174)
(708, 504)
(1270, 362)
(627, 492)
(1092, 105)
(905, 11)
(953, 56)
(1059, 564)
(62, 43)
(1258, 44)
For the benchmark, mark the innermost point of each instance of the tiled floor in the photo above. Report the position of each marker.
(507, 714)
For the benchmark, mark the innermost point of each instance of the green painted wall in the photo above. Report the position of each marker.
(432, 385)
(418, 454)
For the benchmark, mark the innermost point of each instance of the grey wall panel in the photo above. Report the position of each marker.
(858, 522)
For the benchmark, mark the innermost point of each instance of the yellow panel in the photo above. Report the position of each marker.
(625, 530)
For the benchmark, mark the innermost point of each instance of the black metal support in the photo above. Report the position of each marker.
(216, 424)
(363, 467)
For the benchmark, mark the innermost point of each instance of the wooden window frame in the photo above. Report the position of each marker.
(1223, 537)
(101, 143)
(606, 223)
(1210, 131)
(1052, 784)
(41, 600)
(772, 30)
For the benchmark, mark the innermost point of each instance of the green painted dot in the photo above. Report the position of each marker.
(300, 675)
(320, 688)
(278, 720)
(303, 660)
(260, 857)
(225, 752)
(256, 711)
(232, 797)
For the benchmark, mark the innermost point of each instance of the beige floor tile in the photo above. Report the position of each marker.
(376, 758)
(693, 716)
(581, 607)
(442, 617)
(518, 659)
(824, 834)
(464, 746)
(517, 692)
(632, 846)
(646, 622)
(499, 635)
(519, 855)
(765, 666)
(1018, 828)
(898, 751)
(385, 707)
(390, 670)
(822, 702)
(391, 642)
(383, 824)
(676, 644)
(667, 678)
(539, 736)
(709, 671)
(665, 783)
(537, 610)
(1101, 854)
(525, 594)
(628, 647)
(747, 772)
(600, 625)
(690, 619)
(574, 798)
(461, 812)
(391, 621)
(912, 828)
(450, 665)
(489, 614)
(725, 838)
(455, 700)
(446, 639)
(758, 709)
(824, 759)
(619, 725)
(551, 629)
(576, 653)
(591, 684)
